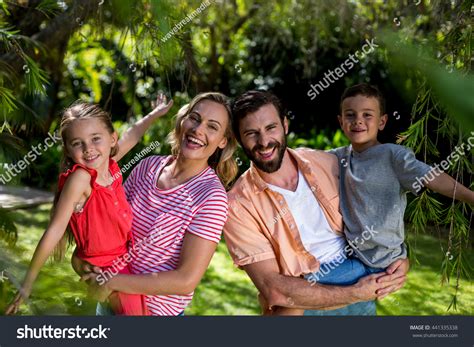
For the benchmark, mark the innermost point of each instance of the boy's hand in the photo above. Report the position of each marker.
(160, 106)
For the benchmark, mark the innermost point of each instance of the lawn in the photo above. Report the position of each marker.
(224, 290)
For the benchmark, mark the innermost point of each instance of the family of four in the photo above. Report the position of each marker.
(319, 233)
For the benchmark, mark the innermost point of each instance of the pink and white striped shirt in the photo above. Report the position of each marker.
(162, 217)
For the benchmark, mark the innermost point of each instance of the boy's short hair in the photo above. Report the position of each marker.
(366, 90)
(250, 102)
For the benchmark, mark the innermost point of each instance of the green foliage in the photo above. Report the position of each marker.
(324, 139)
(49, 8)
(8, 229)
(417, 135)
(450, 87)
(36, 79)
(7, 100)
(444, 107)
(424, 209)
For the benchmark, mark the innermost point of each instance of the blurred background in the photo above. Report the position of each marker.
(121, 53)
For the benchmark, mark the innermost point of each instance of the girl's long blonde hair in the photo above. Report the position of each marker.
(77, 111)
(221, 160)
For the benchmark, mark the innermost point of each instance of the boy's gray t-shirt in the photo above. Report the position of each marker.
(373, 187)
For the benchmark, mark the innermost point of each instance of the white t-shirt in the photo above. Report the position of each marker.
(314, 229)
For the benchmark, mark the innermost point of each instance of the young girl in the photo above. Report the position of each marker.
(91, 198)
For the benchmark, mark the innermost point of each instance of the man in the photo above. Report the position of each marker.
(284, 220)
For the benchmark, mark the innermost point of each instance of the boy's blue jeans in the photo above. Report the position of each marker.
(346, 273)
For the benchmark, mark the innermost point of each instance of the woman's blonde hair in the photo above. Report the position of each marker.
(221, 160)
(77, 111)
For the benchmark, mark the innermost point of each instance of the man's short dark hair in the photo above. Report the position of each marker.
(366, 90)
(250, 102)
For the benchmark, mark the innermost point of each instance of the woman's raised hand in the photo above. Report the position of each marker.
(160, 106)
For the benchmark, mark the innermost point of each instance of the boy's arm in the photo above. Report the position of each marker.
(133, 134)
(446, 185)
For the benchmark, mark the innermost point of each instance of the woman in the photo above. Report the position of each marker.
(179, 207)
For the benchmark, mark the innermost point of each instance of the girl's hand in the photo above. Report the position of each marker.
(15, 305)
(160, 106)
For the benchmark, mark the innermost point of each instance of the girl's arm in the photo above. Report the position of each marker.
(196, 255)
(445, 184)
(133, 134)
(73, 192)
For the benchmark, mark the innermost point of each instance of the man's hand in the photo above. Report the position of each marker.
(266, 311)
(366, 288)
(277, 310)
(395, 277)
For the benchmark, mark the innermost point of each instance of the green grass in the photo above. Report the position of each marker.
(224, 290)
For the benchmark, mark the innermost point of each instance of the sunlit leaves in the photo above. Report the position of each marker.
(36, 78)
(7, 100)
(8, 229)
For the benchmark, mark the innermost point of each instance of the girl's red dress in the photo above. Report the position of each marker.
(102, 231)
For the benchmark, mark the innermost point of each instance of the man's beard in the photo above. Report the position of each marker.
(268, 166)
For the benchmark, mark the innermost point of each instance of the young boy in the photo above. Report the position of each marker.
(375, 179)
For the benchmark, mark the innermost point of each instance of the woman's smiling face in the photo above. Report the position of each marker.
(203, 130)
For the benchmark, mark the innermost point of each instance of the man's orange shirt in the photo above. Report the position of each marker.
(260, 225)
